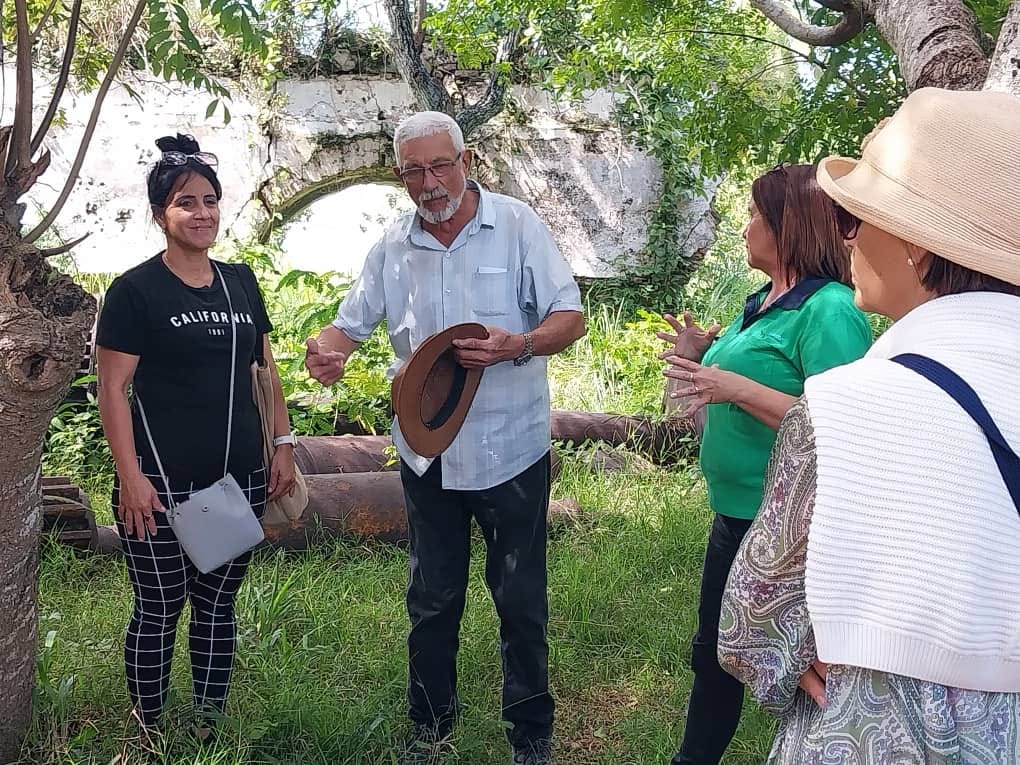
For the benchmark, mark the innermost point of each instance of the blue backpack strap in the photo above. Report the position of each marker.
(964, 395)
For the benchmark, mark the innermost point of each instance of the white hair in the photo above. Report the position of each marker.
(427, 123)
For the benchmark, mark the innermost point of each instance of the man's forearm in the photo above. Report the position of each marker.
(559, 331)
(333, 339)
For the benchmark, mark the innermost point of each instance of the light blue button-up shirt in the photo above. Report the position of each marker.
(503, 270)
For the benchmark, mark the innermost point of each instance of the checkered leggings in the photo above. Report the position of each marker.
(163, 579)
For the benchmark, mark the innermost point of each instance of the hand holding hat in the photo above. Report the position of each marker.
(433, 391)
(478, 353)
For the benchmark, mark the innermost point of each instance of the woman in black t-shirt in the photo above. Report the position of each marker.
(167, 329)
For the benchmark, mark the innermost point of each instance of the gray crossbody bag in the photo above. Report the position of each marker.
(215, 524)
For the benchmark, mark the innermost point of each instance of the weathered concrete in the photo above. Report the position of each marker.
(309, 138)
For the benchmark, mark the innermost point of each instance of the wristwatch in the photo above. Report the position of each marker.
(287, 438)
(525, 357)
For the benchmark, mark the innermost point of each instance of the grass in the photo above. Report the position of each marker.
(321, 658)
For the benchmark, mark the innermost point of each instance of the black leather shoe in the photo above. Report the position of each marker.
(533, 753)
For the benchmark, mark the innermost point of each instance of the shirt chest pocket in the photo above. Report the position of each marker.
(490, 291)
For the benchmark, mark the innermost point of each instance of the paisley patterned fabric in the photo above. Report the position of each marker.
(765, 640)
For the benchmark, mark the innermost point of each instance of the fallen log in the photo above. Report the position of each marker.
(663, 441)
(343, 454)
(324, 455)
(351, 504)
(67, 513)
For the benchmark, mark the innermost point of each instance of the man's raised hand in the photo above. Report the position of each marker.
(324, 365)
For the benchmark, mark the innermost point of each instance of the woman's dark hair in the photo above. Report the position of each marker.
(803, 223)
(944, 277)
(164, 176)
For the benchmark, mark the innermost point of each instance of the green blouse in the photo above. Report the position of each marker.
(811, 328)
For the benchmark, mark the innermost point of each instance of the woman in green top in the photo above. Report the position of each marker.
(741, 383)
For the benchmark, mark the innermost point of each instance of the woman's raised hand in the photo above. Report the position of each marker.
(690, 341)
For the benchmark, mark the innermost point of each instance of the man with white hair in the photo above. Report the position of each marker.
(467, 254)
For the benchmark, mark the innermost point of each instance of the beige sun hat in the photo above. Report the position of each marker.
(942, 173)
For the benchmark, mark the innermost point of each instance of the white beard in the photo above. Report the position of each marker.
(452, 205)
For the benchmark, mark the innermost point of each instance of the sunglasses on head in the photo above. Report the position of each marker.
(180, 158)
(847, 223)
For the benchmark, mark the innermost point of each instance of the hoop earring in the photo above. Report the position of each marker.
(913, 265)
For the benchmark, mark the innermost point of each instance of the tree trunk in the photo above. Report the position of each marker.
(428, 91)
(937, 42)
(44, 319)
(1004, 73)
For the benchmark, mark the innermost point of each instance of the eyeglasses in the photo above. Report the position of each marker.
(847, 223)
(180, 158)
(440, 170)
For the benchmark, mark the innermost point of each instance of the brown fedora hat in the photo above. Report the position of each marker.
(432, 392)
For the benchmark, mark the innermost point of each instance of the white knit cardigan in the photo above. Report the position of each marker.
(913, 562)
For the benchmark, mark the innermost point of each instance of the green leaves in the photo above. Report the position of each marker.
(175, 52)
(707, 87)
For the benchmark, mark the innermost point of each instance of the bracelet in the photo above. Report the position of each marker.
(287, 438)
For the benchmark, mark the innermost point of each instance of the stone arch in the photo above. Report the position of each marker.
(335, 163)
(594, 190)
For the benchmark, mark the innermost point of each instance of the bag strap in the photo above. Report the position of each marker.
(230, 395)
(1005, 458)
(233, 365)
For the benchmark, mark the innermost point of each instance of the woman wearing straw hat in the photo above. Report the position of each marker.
(875, 603)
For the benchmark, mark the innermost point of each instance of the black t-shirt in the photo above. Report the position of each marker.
(182, 337)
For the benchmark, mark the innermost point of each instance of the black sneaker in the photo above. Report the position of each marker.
(533, 753)
(425, 746)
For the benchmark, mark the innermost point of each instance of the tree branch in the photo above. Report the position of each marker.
(5, 143)
(21, 156)
(491, 102)
(783, 16)
(807, 57)
(428, 91)
(65, 71)
(784, 61)
(937, 43)
(43, 20)
(1004, 73)
(90, 128)
(67, 247)
(419, 32)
